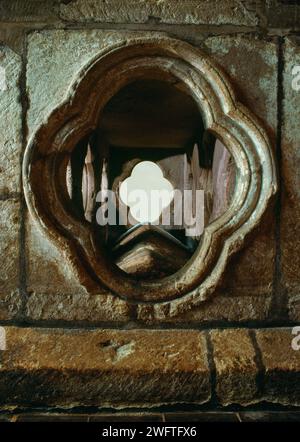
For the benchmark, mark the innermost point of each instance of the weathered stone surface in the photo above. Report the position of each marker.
(198, 416)
(9, 252)
(98, 367)
(164, 11)
(51, 417)
(282, 14)
(290, 211)
(236, 369)
(99, 417)
(31, 10)
(294, 306)
(48, 51)
(12, 36)
(201, 416)
(251, 65)
(55, 292)
(282, 366)
(269, 416)
(10, 121)
(77, 307)
(220, 308)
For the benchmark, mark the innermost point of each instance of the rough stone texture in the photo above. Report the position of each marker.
(283, 14)
(164, 11)
(294, 306)
(97, 367)
(29, 11)
(282, 366)
(100, 417)
(47, 49)
(54, 291)
(222, 307)
(290, 210)
(176, 416)
(236, 369)
(10, 121)
(251, 65)
(269, 416)
(9, 251)
(48, 83)
(261, 13)
(12, 36)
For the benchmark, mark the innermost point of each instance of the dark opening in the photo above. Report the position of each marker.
(158, 122)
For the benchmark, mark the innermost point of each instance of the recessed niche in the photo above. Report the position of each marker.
(152, 151)
(163, 101)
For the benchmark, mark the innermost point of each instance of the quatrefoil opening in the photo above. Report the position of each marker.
(48, 153)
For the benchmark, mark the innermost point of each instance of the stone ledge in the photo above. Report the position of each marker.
(150, 416)
(148, 368)
(66, 367)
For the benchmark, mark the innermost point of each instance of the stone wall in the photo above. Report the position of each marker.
(224, 350)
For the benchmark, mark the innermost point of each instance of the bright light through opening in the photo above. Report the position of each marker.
(146, 192)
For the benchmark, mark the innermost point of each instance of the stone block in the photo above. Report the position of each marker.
(55, 293)
(10, 299)
(103, 367)
(10, 121)
(236, 368)
(164, 11)
(290, 164)
(48, 51)
(221, 308)
(251, 65)
(281, 364)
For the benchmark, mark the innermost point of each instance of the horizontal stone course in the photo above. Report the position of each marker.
(103, 368)
(130, 368)
(148, 416)
(164, 11)
(224, 306)
(244, 13)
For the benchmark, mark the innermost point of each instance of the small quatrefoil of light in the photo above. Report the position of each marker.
(156, 192)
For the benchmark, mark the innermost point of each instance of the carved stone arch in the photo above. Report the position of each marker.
(47, 154)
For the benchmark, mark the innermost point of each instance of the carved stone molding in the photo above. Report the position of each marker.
(47, 154)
